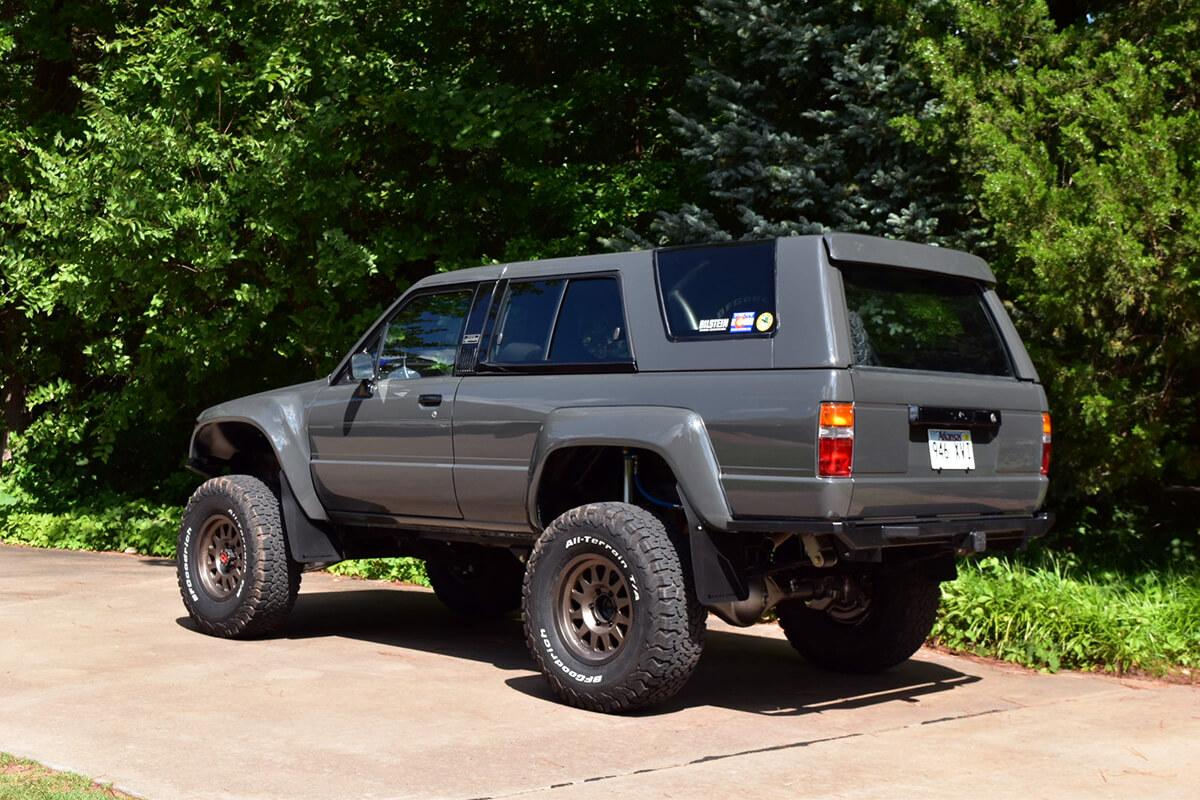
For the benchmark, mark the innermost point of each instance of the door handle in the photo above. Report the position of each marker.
(430, 399)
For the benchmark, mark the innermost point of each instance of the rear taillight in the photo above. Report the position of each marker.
(1045, 444)
(835, 453)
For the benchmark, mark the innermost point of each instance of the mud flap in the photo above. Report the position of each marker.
(307, 543)
(717, 579)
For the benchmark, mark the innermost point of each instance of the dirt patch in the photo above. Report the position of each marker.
(28, 773)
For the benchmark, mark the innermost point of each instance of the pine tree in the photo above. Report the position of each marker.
(796, 132)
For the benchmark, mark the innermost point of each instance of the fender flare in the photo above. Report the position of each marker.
(279, 416)
(677, 435)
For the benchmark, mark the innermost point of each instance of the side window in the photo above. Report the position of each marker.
(526, 316)
(723, 291)
(421, 340)
(550, 322)
(591, 324)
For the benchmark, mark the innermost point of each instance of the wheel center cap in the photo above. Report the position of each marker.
(225, 559)
(605, 608)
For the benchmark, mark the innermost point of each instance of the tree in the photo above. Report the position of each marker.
(245, 185)
(1080, 128)
(794, 130)
(44, 47)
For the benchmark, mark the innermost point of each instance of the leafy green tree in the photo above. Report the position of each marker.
(792, 130)
(248, 184)
(1079, 124)
(44, 48)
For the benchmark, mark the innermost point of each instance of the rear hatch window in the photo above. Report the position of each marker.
(921, 321)
(715, 292)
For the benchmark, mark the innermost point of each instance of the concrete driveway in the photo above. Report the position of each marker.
(375, 691)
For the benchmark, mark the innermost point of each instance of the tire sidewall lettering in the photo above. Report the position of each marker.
(566, 670)
(606, 547)
(246, 550)
(185, 553)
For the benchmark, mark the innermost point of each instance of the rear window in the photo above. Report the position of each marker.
(920, 321)
(718, 292)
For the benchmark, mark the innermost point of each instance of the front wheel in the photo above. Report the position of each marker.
(235, 574)
(610, 616)
(882, 621)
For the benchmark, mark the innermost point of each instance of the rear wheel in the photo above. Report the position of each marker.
(610, 616)
(878, 622)
(235, 574)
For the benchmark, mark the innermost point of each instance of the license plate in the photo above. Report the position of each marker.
(951, 450)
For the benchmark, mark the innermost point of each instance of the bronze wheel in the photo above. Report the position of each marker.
(595, 608)
(221, 557)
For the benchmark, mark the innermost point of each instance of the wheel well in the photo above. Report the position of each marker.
(234, 447)
(575, 476)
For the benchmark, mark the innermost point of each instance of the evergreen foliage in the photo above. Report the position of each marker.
(792, 130)
(1079, 126)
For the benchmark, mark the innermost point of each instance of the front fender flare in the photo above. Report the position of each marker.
(280, 416)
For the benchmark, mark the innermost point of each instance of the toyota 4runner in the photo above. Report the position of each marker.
(620, 444)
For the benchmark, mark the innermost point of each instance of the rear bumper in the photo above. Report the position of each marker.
(864, 540)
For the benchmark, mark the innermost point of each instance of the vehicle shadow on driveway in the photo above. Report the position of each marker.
(740, 671)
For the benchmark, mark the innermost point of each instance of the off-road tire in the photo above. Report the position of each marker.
(611, 617)
(235, 573)
(896, 622)
(482, 586)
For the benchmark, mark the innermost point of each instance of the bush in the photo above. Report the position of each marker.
(1050, 616)
(402, 570)
(109, 522)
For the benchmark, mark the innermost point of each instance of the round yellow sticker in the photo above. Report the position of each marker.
(764, 322)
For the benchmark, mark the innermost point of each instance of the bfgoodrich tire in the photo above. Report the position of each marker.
(610, 616)
(235, 574)
(892, 622)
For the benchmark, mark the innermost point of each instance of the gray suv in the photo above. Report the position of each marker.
(619, 445)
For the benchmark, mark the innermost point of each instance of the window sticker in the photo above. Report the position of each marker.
(764, 322)
(742, 322)
(714, 325)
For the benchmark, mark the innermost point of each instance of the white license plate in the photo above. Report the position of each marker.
(951, 450)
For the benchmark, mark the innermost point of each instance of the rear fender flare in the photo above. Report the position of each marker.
(677, 435)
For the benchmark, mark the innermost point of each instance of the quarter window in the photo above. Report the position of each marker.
(713, 292)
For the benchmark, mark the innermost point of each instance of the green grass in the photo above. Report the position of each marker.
(1056, 615)
(21, 779)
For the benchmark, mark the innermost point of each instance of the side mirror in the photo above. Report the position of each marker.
(362, 367)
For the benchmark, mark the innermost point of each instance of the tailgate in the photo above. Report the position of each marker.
(987, 455)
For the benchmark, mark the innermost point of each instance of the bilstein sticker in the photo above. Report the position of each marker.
(713, 325)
